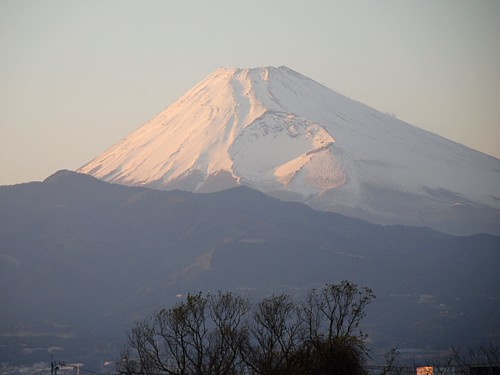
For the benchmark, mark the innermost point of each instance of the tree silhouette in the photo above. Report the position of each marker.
(224, 334)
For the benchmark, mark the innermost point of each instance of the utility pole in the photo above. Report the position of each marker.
(54, 366)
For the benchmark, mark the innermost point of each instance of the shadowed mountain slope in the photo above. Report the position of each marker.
(81, 258)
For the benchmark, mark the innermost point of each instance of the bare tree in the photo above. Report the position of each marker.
(203, 335)
(335, 311)
(331, 317)
(393, 366)
(229, 337)
(221, 334)
(171, 341)
(275, 333)
(484, 359)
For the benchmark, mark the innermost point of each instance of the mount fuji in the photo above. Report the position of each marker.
(277, 131)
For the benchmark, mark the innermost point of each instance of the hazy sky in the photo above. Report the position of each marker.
(77, 76)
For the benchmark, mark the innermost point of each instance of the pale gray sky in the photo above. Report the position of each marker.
(77, 76)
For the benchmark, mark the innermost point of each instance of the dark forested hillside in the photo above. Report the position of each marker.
(83, 259)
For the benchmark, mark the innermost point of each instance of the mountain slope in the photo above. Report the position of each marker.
(282, 133)
(81, 259)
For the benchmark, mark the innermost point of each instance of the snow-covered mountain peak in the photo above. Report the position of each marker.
(195, 134)
(280, 132)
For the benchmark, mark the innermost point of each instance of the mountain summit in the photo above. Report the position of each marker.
(282, 133)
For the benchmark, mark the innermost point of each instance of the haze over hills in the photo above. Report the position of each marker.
(81, 259)
(279, 132)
